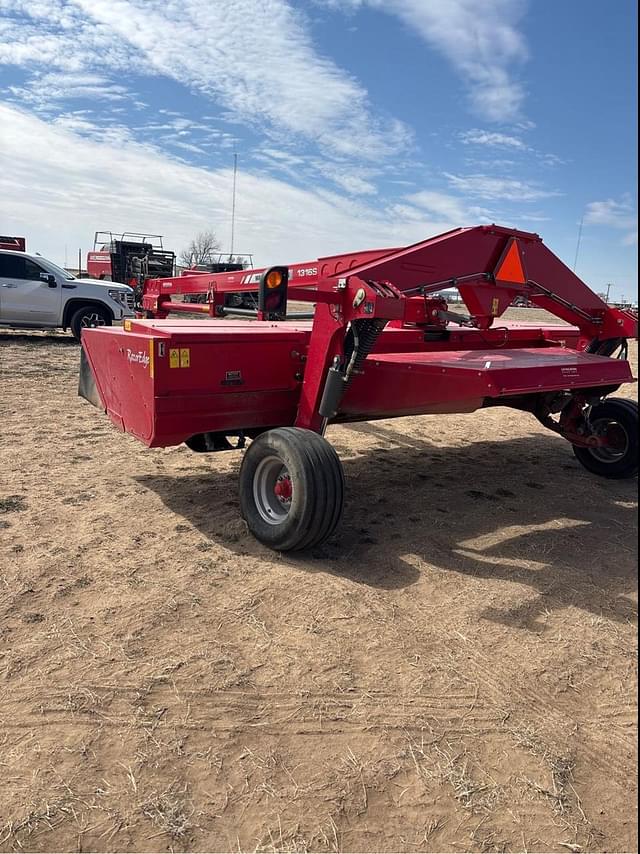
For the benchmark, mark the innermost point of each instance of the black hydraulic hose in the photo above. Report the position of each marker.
(359, 343)
(367, 332)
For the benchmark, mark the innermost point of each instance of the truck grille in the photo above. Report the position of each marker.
(130, 301)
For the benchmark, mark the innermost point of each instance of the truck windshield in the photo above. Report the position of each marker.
(55, 269)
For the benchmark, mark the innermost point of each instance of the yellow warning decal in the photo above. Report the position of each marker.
(180, 358)
(495, 306)
(127, 326)
(151, 364)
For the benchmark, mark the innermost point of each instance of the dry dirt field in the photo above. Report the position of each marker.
(454, 671)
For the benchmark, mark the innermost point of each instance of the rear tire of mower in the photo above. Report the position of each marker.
(623, 414)
(312, 472)
(89, 317)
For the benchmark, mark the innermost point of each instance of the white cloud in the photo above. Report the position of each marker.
(479, 138)
(450, 208)
(551, 160)
(45, 89)
(74, 189)
(79, 123)
(610, 212)
(492, 139)
(280, 156)
(532, 217)
(254, 57)
(454, 209)
(480, 40)
(188, 146)
(353, 184)
(507, 189)
(54, 35)
(621, 215)
(351, 177)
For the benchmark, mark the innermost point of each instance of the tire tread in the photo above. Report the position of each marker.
(323, 482)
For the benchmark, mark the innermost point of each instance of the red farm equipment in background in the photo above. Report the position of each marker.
(18, 244)
(129, 258)
(382, 343)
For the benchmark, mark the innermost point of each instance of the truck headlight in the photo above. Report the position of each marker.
(118, 296)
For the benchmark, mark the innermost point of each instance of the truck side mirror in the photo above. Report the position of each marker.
(50, 279)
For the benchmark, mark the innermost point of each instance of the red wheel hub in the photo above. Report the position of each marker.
(615, 437)
(283, 488)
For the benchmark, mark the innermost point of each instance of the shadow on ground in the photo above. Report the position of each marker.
(522, 510)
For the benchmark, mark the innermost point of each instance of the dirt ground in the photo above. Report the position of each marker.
(454, 671)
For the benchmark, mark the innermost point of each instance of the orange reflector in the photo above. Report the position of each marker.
(511, 268)
(274, 279)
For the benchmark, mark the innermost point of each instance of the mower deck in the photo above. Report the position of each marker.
(466, 380)
(189, 377)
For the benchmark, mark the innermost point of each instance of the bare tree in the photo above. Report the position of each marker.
(200, 250)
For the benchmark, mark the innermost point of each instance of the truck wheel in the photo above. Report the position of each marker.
(617, 419)
(88, 317)
(291, 489)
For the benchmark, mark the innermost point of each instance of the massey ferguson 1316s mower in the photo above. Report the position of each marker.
(381, 344)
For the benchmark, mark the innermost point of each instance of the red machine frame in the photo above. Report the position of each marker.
(382, 343)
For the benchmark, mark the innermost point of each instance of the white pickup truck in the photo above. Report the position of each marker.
(37, 294)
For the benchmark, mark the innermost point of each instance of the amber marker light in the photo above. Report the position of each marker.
(274, 279)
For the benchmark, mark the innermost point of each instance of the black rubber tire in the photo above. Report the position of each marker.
(317, 478)
(77, 323)
(625, 413)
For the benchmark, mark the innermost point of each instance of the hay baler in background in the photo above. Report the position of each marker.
(130, 258)
(382, 343)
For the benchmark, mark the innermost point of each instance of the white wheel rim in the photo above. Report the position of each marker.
(272, 490)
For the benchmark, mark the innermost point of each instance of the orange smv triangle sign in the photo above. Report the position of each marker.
(510, 270)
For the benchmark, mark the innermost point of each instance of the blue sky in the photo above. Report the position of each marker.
(356, 123)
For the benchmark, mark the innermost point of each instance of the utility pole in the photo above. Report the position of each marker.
(233, 204)
(609, 286)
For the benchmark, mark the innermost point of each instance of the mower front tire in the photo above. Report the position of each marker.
(617, 419)
(291, 489)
